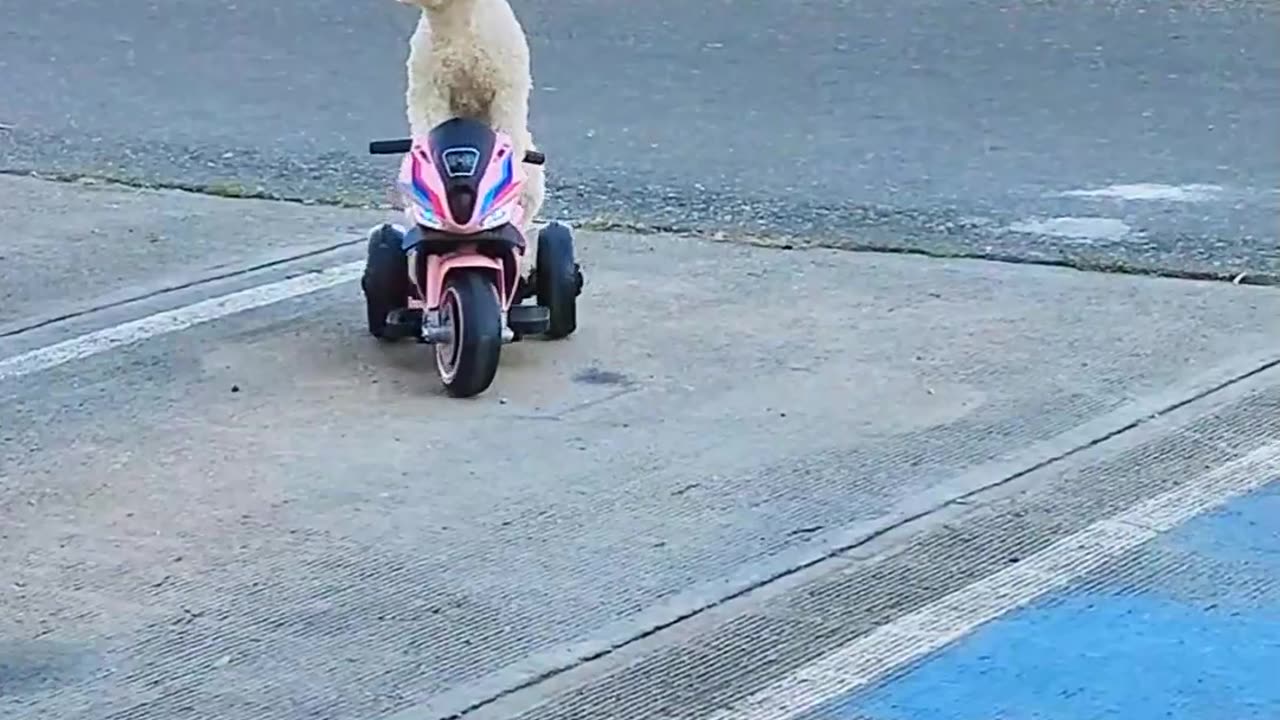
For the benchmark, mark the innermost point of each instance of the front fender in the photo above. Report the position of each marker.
(439, 267)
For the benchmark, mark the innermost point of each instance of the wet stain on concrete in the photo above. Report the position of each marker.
(598, 376)
(35, 666)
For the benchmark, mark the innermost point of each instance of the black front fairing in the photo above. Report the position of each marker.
(496, 242)
(460, 151)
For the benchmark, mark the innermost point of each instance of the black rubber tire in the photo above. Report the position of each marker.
(557, 279)
(477, 327)
(385, 281)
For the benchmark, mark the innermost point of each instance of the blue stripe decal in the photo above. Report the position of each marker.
(502, 183)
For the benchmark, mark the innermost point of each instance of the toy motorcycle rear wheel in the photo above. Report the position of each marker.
(385, 281)
(559, 279)
(470, 311)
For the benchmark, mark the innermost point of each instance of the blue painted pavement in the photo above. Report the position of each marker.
(1188, 628)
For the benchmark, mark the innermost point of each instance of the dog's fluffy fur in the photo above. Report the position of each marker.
(470, 58)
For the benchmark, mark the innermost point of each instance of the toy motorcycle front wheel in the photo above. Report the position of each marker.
(471, 315)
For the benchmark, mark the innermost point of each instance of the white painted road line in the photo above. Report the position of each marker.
(174, 320)
(933, 627)
(1153, 192)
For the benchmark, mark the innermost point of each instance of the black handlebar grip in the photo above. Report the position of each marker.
(533, 157)
(390, 147)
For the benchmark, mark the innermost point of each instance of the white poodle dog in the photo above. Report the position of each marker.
(470, 58)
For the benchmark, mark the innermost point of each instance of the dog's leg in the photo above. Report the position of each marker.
(426, 104)
(531, 197)
(511, 116)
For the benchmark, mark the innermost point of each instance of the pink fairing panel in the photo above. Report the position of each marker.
(422, 187)
(439, 267)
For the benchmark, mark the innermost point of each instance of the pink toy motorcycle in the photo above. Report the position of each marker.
(452, 279)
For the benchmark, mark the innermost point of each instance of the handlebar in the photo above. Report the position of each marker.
(390, 147)
(397, 147)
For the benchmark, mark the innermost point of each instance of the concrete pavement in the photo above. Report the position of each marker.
(266, 514)
(1137, 134)
(1133, 579)
(76, 248)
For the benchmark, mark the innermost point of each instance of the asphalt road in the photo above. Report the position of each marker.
(947, 126)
